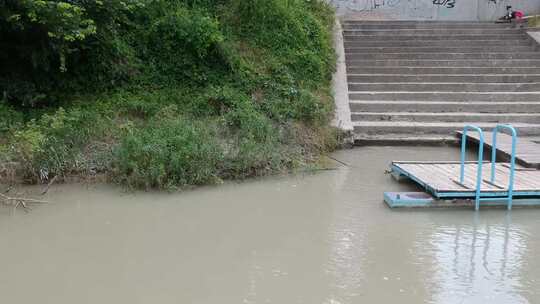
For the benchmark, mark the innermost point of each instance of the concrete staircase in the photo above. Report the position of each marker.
(421, 81)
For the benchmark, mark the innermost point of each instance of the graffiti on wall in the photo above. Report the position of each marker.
(477, 10)
(372, 5)
(366, 5)
(445, 3)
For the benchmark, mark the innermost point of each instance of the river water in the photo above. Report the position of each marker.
(310, 238)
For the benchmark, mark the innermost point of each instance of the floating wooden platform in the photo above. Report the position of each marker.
(527, 152)
(439, 179)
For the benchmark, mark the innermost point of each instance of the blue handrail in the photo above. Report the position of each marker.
(480, 161)
(512, 159)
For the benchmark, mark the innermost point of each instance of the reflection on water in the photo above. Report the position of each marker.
(347, 253)
(346, 246)
(324, 238)
(481, 262)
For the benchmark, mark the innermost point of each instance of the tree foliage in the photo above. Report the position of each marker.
(44, 40)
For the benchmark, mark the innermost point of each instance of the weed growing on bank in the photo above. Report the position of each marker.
(164, 94)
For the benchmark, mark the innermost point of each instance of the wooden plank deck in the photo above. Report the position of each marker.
(527, 152)
(440, 178)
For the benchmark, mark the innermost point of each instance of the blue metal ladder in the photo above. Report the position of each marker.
(479, 195)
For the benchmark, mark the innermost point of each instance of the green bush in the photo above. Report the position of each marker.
(10, 119)
(170, 151)
(298, 31)
(183, 44)
(53, 145)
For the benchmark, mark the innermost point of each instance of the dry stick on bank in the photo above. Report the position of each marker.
(339, 161)
(19, 201)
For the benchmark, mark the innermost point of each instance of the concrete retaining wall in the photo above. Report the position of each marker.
(465, 10)
(342, 115)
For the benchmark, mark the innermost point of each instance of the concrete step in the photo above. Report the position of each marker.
(444, 106)
(446, 63)
(434, 49)
(405, 140)
(447, 117)
(353, 43)
(414, 139)
(446, 96)
(410, 78)
(535, 139)
(443, 70)
(412, 82)
(445, 86)
(441, 56)
(436, 31)
(355, 35)
(432, 128)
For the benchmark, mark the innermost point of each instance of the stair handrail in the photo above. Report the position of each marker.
(496, 131)
(480, 161)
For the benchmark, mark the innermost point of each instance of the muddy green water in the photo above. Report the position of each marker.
(324, 238)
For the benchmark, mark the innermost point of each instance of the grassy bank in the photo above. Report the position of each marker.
(160, 94)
